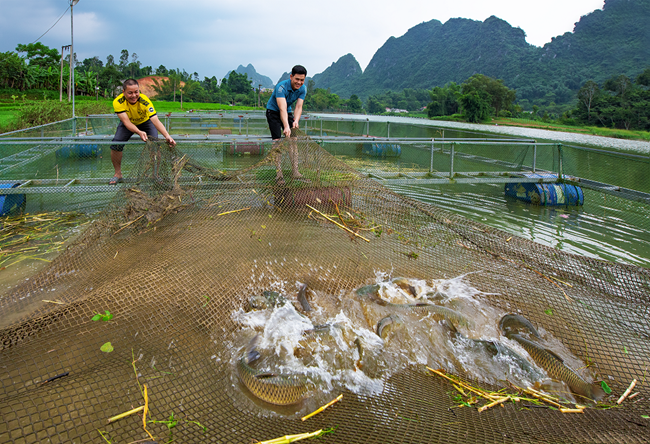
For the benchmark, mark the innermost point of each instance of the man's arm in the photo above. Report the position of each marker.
(124, 118)
(284, 115)
(297, 112)
(161, 128)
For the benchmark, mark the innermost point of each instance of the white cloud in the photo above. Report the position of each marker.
(212, 37)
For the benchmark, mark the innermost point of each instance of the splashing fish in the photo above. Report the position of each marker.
(515, 326)
(273, 388)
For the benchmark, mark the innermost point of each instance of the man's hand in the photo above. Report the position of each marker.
(170, 141)
(295, 124)
(287, 131)
(143, 136)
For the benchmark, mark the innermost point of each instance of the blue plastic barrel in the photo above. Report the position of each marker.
(382, 149)
(77, 151)
(546, 194)
(11, 202)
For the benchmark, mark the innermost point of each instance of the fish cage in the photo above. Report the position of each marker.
(207, 300)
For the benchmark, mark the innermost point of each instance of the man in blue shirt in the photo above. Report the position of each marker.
(281, 119)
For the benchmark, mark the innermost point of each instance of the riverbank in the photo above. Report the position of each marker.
(637, 146)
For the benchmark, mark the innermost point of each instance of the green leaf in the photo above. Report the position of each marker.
(264, 226)
(97, 317)
(605, 387)
(108, 317)
(549, 312)
(107, 348)
(625, 349)
(645, 416)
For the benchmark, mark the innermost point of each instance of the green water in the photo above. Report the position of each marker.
(606, 227)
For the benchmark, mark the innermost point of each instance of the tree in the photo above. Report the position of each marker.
(476, 105)
(110, 61)
(500, 96)
(239, 83)
(161, 70)
(644, 78)
(93, 64)
(354, 104)
(374, 106)
(39, 54)
(444, 100)
(124, 59)
(587, 95)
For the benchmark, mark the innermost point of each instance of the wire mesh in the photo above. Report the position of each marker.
(185, 243)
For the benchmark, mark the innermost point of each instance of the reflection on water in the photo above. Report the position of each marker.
(606, 227)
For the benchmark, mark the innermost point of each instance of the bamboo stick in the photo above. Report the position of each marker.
(494, 403)
(627, 392)
(337, 224)
(125, 414)
(233, 211)
(481, 393)
(320, 409)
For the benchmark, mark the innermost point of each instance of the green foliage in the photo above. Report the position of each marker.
(475, 105)
(620, 103)
(47, 111)
(107, 347)
(102, 317)
(238, 83)
(444, 100)
(39, 54)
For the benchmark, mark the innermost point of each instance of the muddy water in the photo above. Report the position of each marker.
(337, 345)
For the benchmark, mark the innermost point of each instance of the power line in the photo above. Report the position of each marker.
(52, 25)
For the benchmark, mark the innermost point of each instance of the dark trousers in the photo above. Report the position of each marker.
(123, 134)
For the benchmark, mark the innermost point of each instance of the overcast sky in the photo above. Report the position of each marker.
(212, 37)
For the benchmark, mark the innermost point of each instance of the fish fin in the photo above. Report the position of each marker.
(552, 353)
(597, 391)
(252, 354)
(265, 375)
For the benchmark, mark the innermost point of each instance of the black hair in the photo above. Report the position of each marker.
(129, 82)
(298, 69)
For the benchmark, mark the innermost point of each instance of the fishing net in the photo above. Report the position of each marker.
(156, 304)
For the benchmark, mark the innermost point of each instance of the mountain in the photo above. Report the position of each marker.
(340, 74)
(604, 43)
(256, 78)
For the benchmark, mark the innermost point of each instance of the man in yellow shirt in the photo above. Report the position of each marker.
(137, 116)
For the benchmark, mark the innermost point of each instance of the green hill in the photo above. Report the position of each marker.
(604, 43)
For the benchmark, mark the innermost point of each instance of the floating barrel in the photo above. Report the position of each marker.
(11, 202)
(382, 149)
(244, 148)
(77, 151)
(546, 194)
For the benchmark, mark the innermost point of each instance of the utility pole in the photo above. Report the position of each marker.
(63, 48)
(72, 3)
(259, 95)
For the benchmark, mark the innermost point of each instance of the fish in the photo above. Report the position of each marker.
(495, 349)
(268, 299)
(371, 292)
(405, 285)
(517, 324)
(302, 297)
(556, 369)
(387, 324)
(357, 342)
(277, 389)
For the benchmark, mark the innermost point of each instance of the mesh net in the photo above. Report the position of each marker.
(173, 270)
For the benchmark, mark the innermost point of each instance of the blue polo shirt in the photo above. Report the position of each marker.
(284, 90)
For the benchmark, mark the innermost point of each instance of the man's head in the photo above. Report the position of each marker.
(131, 90)
(298, 74)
